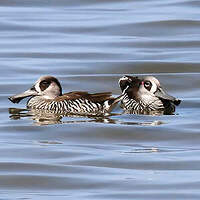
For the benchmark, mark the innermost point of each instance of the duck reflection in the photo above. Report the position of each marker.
(45, 117)
(144, 112)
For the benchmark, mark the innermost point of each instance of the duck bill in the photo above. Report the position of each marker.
(18, 97)
(162, 94)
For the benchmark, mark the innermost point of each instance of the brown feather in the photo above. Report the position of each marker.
(96, 97)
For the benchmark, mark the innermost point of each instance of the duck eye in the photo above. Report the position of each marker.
(44, 85)
(147, 85)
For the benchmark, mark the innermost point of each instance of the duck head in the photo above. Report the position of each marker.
(46, 86)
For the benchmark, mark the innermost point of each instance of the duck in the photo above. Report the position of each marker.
(145, 95)
(46, 94)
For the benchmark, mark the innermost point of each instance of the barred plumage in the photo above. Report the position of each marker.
(145, 95)
(131, 104)
(46, 94)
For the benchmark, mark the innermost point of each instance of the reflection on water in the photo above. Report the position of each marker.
(137, 112)
(46, 117)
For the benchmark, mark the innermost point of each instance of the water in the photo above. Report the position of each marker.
(89, 45)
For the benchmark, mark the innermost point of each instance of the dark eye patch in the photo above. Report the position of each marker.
(44, 85)
(148, 85)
